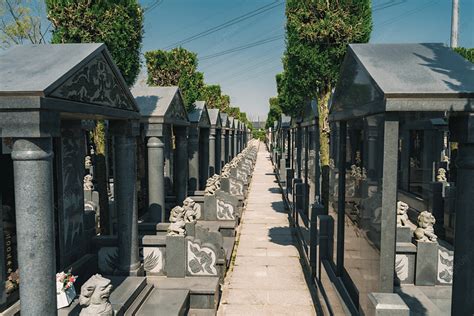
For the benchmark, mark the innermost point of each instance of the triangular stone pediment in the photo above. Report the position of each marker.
(176, 111)
(96, 83)
(204, 120)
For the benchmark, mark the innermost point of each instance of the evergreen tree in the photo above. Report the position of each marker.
(177, 67)
(274, 113)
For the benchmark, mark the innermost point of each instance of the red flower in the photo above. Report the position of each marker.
(72, 279)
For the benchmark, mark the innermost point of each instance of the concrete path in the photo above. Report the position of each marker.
(267, 278)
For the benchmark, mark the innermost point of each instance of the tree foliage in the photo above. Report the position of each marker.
(467, 53)
(117, 23)
(275, 112)
(20, 22)
(177, 67)
(318, 32)
(214, 98)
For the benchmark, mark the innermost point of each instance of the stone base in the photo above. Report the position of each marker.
(204, 291)
(387, 304)
(426, 263)
(404, 234)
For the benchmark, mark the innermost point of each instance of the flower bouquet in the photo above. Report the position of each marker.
(65, 291)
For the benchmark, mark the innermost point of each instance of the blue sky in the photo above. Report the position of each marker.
(248, 76)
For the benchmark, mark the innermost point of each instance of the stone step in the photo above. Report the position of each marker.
(135, 306)
(204, 291)
(163, 302)
(201, 312)
(125, 291)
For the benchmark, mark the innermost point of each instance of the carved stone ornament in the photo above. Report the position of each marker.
(402, 217)
(177, 222)
(225, 211)
(441, 176)
(94, 297)
(192, 210)
(176, 111)
(88, 185)
(425, 230)
(95, 83)
(201, 260)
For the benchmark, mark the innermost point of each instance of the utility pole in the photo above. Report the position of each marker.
(455, 24)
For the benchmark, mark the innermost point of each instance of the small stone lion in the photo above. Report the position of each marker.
(425, 230)
(192, 210)
(441, 177)
(402, 217)
(94, 297)
(177, 225)
(88, 185)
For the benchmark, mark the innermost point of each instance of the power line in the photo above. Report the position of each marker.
(153, 6)
(387, 5)
(243, 47)
(231, 22)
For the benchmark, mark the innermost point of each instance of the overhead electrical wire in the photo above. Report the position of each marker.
(227, 24)
(243, 47)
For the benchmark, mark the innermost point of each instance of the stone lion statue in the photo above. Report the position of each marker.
(88, 185)
(177, 222)
(192, 210)
(425, 230)
(94, 297)
(402, 217)
(441, 176)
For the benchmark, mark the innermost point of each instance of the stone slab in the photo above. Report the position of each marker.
(387, 304)
(162, 302)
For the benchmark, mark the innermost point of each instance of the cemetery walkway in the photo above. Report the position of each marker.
(266, 277)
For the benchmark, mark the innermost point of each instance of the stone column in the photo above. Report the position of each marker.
(462, 131)
(212, 152)
(193, 158)
(33, 172)
(181, 165)
(156, 179)
(204, 139)
(299, 144)
(224, 146)
(389, 202)
(218, 150)
(125, 174)
(236, 143)
(372, 134)
(232, 147)
(341, 197)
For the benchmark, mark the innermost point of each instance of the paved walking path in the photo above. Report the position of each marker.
(267, 278)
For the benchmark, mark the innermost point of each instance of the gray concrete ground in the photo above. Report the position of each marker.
(267, 277)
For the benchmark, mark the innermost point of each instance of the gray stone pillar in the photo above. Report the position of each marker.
(212, 153)
(389, 203)
(193, 158)
(218, 150)
(125, 176)
(232, 147)
(32, 162)
(299, 144)
(204, 140)
(156, 179)
(236, 143)
(181, 165)
(462, 131)
(224, 146)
